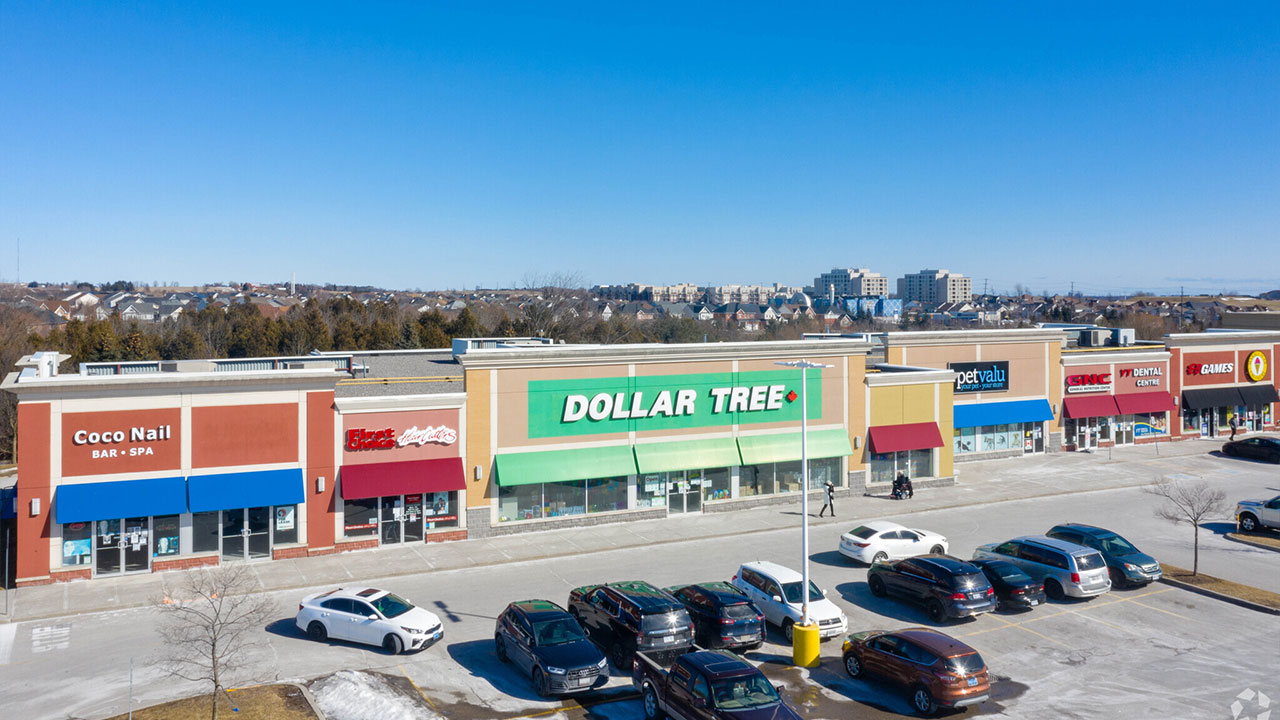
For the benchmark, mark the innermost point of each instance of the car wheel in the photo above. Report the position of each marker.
(879, 557)
(922, 700)
(500, 648)
(852, 665)
(540, 683)
(876, 585)
(936, 612)
(788, 629)
(1117, 578)
(1248, 523)
(316, 631)
(937, 550)
(393, 644)
(1053, 589)
(652, 711)
(618, 655)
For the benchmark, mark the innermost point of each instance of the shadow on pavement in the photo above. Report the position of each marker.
(1219, 528)
(477, 657)
(833, 558)
(285, 627)
(858, 594)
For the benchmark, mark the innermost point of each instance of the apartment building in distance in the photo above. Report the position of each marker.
(850, 282)
(935, 286)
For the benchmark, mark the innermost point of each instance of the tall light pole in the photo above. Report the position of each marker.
(804, 366)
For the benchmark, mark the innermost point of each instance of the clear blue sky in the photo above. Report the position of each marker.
(1120, 146)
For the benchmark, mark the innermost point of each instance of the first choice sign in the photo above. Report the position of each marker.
(362, 439)
(561, 408)
(981, 376)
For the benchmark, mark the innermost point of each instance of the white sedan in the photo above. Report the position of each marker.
(370, 616)
(881, 540)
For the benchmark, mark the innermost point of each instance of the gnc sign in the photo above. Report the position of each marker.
(1089, 382)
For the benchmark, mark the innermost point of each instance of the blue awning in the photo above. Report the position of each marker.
(1002, 413)
(8, 503)
(87, 502)
(245, 489)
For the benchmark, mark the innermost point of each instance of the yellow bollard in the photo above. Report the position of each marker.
(805, 645)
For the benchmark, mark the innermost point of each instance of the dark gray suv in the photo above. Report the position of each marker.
(946, 586)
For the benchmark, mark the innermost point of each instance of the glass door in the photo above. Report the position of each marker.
(233, 534)
(106, 547)
(693, 491)
(136, 543)
(675, 492)
(1124, 430)
(391, 517)
(413, 518)
(258, 532)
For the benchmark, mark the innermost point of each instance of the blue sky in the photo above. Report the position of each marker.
(1121, 147)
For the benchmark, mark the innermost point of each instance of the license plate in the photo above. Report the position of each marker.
(436, 636)
(973, 681)
(1034, 602)
(582, 682)
(668, 639)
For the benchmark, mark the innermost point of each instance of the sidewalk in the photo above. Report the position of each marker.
(977, 483)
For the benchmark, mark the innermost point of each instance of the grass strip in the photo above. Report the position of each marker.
(261, 702)
(1226, 587)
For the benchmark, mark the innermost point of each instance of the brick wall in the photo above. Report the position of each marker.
(571, 521)
(288, 553)
(349, 545)
(60, 576)
(447, 536)
(184, 563)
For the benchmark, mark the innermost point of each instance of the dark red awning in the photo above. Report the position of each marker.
(402, 478)
(1094, 406)
(1147, 402)
(911, 436)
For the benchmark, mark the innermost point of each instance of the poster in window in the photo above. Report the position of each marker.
(437, 508)
(165, 529)
(412, 507)
(77, 549)
(284, 517)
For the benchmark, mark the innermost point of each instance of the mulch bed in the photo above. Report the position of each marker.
(1226, 587)
(263, 702)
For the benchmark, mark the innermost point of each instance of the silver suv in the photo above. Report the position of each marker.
(1064, 567)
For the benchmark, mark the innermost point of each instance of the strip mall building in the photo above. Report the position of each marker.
(144, 467)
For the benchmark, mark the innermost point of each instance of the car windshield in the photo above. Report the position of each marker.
(392, 605)
(862, 531)
(557, 632)
(1116, 545)
(1092, 561)
(743, 692)
(792, 590)
(965, 664)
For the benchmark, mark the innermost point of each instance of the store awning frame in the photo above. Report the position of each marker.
(528, 468)
(86, 502)
(228, 491)
(401, 478)
(1090, 406)
(909, 436)
(1210, 398)
(1259, 394)
(1001, 413)
(1144, 403)
(785, 446)
(687, 455)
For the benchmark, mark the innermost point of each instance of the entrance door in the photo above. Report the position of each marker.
(1084, 434)
(684, 491)
(391, 516)
(233, 534)
(258, 532)
(136, 544)
(246, 533)
(675, 492)
(693, 491)
(1124, 430)
(413, 518)
(106, 547)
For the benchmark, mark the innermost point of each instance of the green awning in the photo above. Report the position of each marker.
(687, 455)
(785, 447)
(559, 465)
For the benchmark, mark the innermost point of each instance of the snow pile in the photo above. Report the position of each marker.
(352, 695)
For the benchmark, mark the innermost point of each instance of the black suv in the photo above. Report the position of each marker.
(947, 586)
(549, 647)
(623, 617)
(722, 615)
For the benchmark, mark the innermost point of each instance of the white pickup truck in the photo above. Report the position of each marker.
(1254, 515)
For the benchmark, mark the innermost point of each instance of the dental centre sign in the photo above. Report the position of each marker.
(560, 408)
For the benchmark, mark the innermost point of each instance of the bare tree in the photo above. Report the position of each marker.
(207, 622)
(1190, 502)
(545, 314)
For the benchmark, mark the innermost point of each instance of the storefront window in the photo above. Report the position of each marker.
(439, 509)
(882, 468)
(920, 463)
(755, 480)
(284, 525)
(1146, 425)
(607, 494)
(164, 531)
(564, 498)
(76, 543)
(651, 490)
(822, 470)
(788, 476)
(205, 528)
(360, 517)
(988, 438)
(715, 484)
(521, 502)
(963, 439)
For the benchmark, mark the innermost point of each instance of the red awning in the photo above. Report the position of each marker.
(402, 478)
(912, 436)
(1147, 402)
(1094, 406)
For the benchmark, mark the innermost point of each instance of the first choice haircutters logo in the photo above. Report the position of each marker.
(361, 439)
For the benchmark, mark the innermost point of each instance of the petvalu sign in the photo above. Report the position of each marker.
(972, 377)
(591, 406)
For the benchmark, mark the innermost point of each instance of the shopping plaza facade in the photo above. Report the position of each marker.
(151, 466)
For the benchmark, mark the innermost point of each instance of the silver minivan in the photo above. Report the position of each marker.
(1064, 567)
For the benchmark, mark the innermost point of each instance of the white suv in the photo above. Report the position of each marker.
(370, 616)
(776, 591)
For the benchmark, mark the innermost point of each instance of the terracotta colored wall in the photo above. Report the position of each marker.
(244, 435)
(1242, 365)
(34, 451)
(1129, 383)
(320, 505)
(151, 455)
(1224, 356)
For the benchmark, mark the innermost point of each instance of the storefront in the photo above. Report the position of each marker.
(1224, 376)
(401, 470)
(1115, 397)
(908, 411)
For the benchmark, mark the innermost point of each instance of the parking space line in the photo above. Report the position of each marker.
(1021, 625)
(423, 695)
(1167, 612)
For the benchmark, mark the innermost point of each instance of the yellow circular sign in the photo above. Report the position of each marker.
(1256, 366)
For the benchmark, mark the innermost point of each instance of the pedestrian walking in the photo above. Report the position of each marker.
(831, 500)
(1234, 422)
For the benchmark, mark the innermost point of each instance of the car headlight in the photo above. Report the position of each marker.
(413, 631)
(1131, 567)
(604, 663)
(555, 670)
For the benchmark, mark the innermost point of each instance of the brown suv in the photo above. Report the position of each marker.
(938, 670)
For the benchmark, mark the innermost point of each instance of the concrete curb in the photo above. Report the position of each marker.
(1220, 596)
(1244, 540)
(311, 699)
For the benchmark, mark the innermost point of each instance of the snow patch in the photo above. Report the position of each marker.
(352, 695)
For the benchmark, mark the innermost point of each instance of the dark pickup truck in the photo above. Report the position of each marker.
(707, 685)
